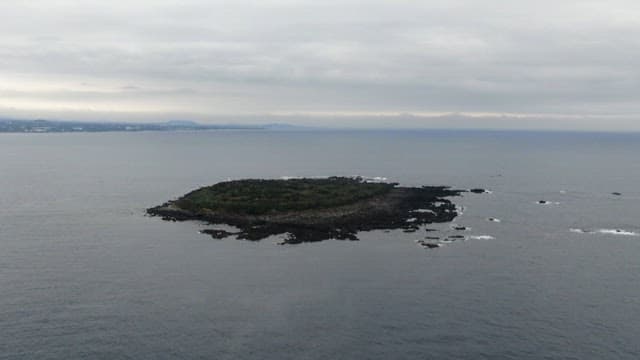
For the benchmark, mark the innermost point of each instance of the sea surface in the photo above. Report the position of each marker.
(84, 274)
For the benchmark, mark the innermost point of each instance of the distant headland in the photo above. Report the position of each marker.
(310, 209)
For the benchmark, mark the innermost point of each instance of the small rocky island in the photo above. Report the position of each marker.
(310, 209)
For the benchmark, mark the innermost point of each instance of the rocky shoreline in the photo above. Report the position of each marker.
(405, 208)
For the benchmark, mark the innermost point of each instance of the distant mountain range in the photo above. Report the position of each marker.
(54, 126)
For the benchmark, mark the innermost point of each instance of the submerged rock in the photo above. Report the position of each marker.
(428, 245)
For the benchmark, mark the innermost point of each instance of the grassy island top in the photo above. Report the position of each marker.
(260, 197)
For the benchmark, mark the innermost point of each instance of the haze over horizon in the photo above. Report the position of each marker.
(457, 63)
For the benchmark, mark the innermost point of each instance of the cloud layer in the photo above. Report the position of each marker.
(202, 59)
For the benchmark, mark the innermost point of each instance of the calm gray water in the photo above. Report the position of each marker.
(85, 275)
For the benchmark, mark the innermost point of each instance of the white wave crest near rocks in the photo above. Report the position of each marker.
(621, 232)
(546, 202)
(480, 237)
(423, 211)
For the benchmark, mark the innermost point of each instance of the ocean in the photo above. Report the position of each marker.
(85, 274)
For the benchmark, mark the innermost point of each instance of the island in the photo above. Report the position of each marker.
(310, 209)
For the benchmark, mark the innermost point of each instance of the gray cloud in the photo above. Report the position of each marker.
(152, 59)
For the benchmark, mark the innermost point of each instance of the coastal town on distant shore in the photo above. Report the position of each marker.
(53, 126)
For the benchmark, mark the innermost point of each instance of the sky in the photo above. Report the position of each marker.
(559, 64)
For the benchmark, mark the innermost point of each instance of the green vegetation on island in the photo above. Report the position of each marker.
(259, 197)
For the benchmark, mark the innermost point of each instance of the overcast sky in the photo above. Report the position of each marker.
(493, 63)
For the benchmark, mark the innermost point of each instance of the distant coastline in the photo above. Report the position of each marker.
(54, 126)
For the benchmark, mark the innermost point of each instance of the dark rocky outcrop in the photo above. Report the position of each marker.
(218, 234)
(477, 191)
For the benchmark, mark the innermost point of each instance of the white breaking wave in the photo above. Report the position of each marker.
(606, 232)
(423, 211)
(618, 232)
(480, 237)
(545, 202)
(375, 179)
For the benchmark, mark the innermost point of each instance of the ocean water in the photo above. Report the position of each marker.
(84, 274)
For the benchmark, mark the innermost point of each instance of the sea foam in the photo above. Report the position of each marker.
(606, 232)
(480, 237)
